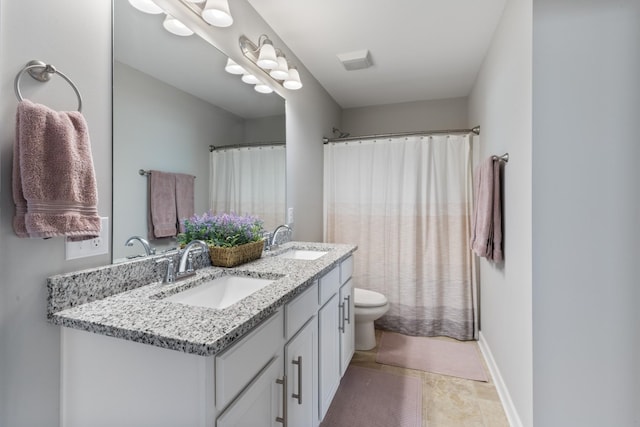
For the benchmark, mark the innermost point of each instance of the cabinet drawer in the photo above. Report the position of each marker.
(346, 270)
(300, 309)
(239, 364)
(328, 285)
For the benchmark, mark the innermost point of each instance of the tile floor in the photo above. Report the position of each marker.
(447, 401)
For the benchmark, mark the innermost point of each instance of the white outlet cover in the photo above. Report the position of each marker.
(91, 247)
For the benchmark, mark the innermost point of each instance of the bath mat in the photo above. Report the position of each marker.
(373, 398)
(457, 359)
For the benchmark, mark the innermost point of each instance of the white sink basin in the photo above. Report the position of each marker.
(302, 254)
(220, 292)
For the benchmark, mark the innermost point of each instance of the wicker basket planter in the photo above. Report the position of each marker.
(236, 255)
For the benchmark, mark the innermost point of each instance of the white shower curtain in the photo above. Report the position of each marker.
(249, 180)
(407, 202)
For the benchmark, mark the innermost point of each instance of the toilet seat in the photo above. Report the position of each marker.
(366, 298)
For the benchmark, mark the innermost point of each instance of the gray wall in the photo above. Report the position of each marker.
(501, 104)
(157, 126)
(586, 213)
(75, 35)
(405, 117)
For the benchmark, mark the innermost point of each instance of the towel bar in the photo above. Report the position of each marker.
(42, 72)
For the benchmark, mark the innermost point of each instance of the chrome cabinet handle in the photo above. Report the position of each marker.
(283, 418)
(298, 395)
(348, 298)
(341, 314)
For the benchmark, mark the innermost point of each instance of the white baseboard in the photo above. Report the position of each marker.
(503, 392)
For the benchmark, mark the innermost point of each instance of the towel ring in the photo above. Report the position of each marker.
(42, 72)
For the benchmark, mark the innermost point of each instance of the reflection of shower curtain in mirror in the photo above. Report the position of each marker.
(407, 202)
(249, 180)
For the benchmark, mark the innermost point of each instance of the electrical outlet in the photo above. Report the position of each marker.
(91, 247)
(290, 216)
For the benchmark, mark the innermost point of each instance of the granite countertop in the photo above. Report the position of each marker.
(140, 314)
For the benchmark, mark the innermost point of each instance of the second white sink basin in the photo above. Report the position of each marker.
(220, 292)
(307, 254)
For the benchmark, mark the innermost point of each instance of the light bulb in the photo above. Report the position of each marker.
(262, 88)
(217, 13)
(250, 79)
(281, 72)
(146, 6)
(176, 27)
(293, 81)
(267, 58)
(233, 68)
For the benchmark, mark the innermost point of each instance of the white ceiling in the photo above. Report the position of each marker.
(421, 49)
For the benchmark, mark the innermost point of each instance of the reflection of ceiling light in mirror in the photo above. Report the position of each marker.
(293, 81)
(262, 88)
(271, 61)
(217, 13)
(233, 68)
(176, 27)
(267, 58)
(250, 79)
(281, 72)
(146, 6)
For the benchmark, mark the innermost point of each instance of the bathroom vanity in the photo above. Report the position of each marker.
(136, 353)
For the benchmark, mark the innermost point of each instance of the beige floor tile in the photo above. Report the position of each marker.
(447, 401)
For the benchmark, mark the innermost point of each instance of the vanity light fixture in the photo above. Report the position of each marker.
(213, 12)
(176, 27)
(146, 6)
(271, 60)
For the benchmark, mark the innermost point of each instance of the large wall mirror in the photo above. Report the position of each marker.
(172, 100)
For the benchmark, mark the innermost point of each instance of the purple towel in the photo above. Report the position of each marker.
(185, 204)
(486, 223)
(54, 185)
(162, 205)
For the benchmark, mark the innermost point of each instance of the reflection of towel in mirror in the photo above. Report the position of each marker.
(486, 223)
(54, 184)
(162, 205)
(185, 205)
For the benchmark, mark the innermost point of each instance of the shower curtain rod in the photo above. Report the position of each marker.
(249, 144)
(475, 130)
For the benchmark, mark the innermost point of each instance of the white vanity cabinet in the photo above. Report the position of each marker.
(284, 372)
(335, 331)
(282, 393)
(261, 403)
(300, 370)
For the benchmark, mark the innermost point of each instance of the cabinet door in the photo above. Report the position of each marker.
(299, 361)
(347, 327)
(261, 403)
(328, 353)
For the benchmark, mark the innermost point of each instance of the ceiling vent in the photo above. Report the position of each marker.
(356, 60)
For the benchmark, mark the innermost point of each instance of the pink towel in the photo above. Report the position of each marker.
(162, 205)
(54, 184)
(486, 223)
(185, 205)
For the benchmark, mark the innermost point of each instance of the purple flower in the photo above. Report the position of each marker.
(224, 229)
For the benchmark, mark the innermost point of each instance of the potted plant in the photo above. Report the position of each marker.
(233, 239)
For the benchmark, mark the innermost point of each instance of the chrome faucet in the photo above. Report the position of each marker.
(275, 233)
(185, 266)
(148, 250)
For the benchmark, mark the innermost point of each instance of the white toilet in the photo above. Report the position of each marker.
(369, 306)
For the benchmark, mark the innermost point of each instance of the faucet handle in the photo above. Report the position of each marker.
(170, 275)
